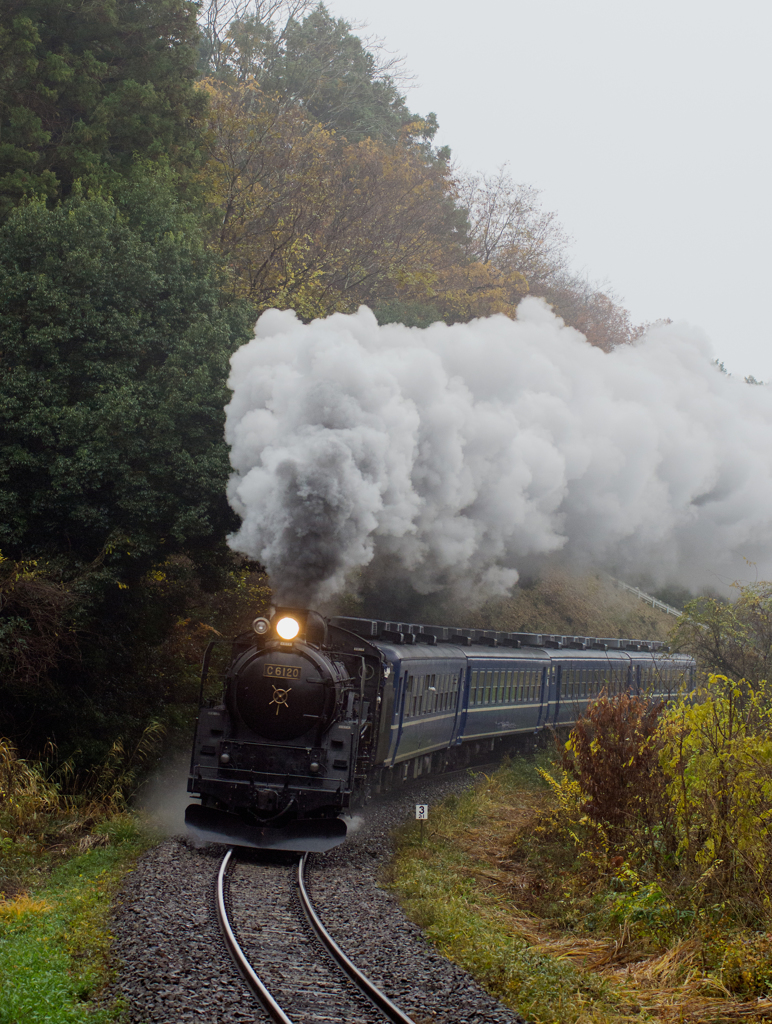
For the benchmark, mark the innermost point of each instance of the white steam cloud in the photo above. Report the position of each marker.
(453, 453)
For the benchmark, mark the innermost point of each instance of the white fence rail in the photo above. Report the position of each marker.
(653, 601)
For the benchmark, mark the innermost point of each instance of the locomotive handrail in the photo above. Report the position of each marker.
(374, 994)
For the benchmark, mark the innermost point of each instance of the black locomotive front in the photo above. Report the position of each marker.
(279, 759)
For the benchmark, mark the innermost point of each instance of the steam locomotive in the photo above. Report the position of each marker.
(318, 713)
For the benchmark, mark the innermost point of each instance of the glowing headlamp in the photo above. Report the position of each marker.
(288, 628)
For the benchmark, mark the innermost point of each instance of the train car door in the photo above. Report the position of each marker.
(388, 695)
(547, 674)
(462, 702)
(556, 695)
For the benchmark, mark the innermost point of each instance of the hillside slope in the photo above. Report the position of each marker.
(574, 604)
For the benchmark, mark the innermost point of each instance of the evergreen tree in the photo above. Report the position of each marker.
(115, 347)
(87, 86)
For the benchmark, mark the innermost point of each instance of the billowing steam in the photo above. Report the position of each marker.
(454, 453)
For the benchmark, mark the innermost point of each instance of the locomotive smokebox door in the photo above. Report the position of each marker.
(279, 697)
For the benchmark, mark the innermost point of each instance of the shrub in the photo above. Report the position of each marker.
(613, 756)
(717, 756)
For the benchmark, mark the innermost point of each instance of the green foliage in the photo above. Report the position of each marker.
(325, 66)
(743, 963)
(315, 62)
(112, 383)
(86, 89)
(410, 313)
(444, 885)
(717, 757)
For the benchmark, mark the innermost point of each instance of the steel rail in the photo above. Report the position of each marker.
(362, 982)
(254, 983)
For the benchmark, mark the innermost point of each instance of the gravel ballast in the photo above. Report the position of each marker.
(172, 966)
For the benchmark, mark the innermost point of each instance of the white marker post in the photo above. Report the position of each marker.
(422, 815)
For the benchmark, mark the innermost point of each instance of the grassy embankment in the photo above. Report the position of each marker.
(573, 935)
(62, 860)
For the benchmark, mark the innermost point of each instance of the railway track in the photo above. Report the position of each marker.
(285, 955)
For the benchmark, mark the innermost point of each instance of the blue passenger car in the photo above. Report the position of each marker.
(452, 694)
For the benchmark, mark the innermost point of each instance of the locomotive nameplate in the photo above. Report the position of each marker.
(282, 671)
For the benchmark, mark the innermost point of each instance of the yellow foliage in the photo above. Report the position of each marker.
(717, 755)
(14, 910)
(308, 220)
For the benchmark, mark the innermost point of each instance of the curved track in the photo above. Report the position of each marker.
(271, 926)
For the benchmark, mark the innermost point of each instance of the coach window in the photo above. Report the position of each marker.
(409, 697)
(473, 689)
(488, 681)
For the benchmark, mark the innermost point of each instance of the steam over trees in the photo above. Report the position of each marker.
(162, 181)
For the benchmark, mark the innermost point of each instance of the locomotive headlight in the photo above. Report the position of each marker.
(287, 628)
(261, 626)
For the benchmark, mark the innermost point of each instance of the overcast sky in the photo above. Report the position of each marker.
(646, 125)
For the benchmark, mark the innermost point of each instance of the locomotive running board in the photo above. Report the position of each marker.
(309, 835)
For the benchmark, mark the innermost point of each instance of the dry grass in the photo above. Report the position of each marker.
(668, 986)
(574, 604)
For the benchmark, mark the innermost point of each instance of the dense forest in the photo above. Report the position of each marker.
(167, 172)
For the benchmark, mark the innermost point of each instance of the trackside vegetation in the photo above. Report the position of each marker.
(626, 875)
(66, 843)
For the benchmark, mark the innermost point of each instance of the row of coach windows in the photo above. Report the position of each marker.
(499, 686)
(661, 678)
(431, 693)
(578, 683)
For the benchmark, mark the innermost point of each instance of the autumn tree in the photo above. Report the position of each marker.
(310, 220)
(732, 639)
(591, 308)
(509, 229)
